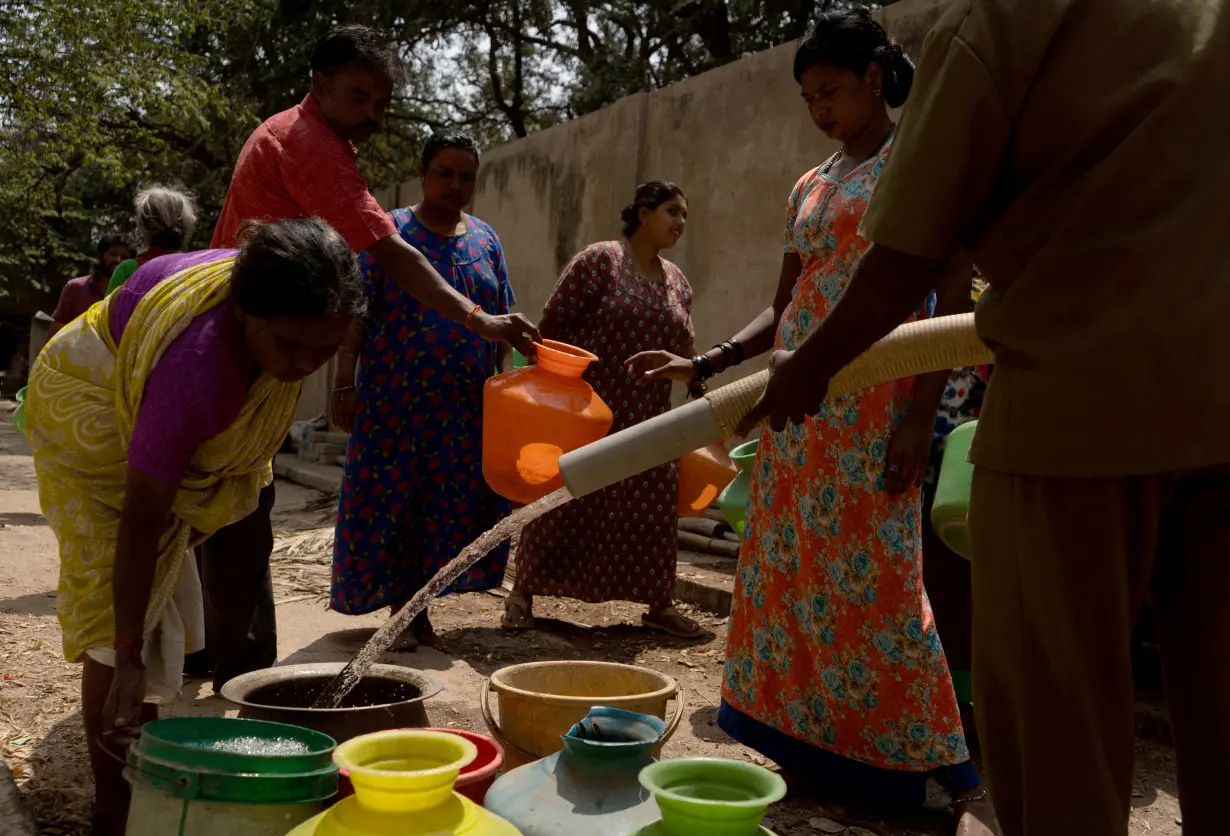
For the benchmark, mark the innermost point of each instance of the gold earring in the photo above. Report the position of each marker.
(878, 92)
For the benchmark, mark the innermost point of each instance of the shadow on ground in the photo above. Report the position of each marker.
(18, 519)
(60, 791)
(38, 603)
(487, 649)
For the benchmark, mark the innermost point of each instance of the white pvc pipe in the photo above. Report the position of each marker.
(946, 342)
(640, 447)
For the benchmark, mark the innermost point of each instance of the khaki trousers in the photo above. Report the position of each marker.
(1061, 567)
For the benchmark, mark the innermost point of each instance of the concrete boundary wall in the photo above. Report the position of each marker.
(736, 139)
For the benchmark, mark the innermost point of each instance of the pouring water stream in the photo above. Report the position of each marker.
(341, 685)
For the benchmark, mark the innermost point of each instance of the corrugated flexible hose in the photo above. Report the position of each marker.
(929, 345)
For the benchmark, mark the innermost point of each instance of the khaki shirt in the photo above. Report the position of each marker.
(1080, 150)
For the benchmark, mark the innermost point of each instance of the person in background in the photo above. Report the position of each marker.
(166, 219)
(301, 163)
(80, 293)
(834, 668)
(413, 492)
(1094, 203)
(616, 299)
(153, 419)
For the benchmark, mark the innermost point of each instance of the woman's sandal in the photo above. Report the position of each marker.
(517, 614)
(672, 622)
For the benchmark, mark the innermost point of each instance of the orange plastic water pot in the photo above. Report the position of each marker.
(535, 414)
(703, 474)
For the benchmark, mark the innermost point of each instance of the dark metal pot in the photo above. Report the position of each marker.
(389, 697)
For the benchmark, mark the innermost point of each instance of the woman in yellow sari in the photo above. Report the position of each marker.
(154, 418)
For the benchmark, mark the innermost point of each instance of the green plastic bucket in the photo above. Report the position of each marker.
(713, 796)
(963, 684)
(19, 414)
(950, 511)
(209, 776)
(733, 499)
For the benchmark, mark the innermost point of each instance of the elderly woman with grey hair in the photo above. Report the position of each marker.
(166, 218)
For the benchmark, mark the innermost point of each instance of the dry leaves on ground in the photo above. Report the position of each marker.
(40, 724)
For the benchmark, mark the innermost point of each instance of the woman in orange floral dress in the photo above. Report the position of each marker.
(833, 665)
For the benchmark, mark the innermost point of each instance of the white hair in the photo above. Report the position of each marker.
(165, 216)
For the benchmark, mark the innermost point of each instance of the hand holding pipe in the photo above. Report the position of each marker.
(928, 345)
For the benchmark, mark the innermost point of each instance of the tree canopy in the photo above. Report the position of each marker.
(100, 96)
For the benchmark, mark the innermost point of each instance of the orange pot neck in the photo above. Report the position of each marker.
(562, 359)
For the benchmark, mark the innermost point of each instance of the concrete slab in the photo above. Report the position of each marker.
(705, 581)
(325, 478)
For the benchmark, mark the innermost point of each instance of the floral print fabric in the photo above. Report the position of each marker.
(832, 640)
(618, 543)
(960, 403)
(413, 493)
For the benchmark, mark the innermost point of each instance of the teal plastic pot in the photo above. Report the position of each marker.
(950, 511)
(589, 788)
(711, 796)
(733, 500)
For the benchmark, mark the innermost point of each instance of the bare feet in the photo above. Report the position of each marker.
(518, 613)
(420, 632)
(669, 620)
(423, 631)
(975, 815)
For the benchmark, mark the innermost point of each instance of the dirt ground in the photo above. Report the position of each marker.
(40, 725)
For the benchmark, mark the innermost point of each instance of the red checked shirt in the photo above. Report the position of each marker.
(294, 166)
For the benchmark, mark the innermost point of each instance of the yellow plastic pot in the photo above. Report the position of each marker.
(403, 784)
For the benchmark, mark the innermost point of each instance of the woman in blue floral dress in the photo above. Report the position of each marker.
(413, 492)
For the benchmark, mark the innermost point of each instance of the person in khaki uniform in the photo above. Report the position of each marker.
(1078, 150)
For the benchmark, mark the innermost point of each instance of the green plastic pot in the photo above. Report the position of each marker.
(218, 776)
(950, 511)
(19, 414)
(711, 796)
(733, 500)
(963, 684)
(234, 760)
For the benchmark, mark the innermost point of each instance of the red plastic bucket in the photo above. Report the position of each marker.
(474, 780)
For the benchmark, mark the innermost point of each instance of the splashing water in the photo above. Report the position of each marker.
(260, 746)
(335, 691)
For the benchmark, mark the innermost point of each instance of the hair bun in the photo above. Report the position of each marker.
(628, 214)
(898, 75)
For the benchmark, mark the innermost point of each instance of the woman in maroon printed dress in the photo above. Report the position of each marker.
(617, 299)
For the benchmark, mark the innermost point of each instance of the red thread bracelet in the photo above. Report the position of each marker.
(471, 314)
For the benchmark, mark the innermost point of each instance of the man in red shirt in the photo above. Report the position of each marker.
(300, 163)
